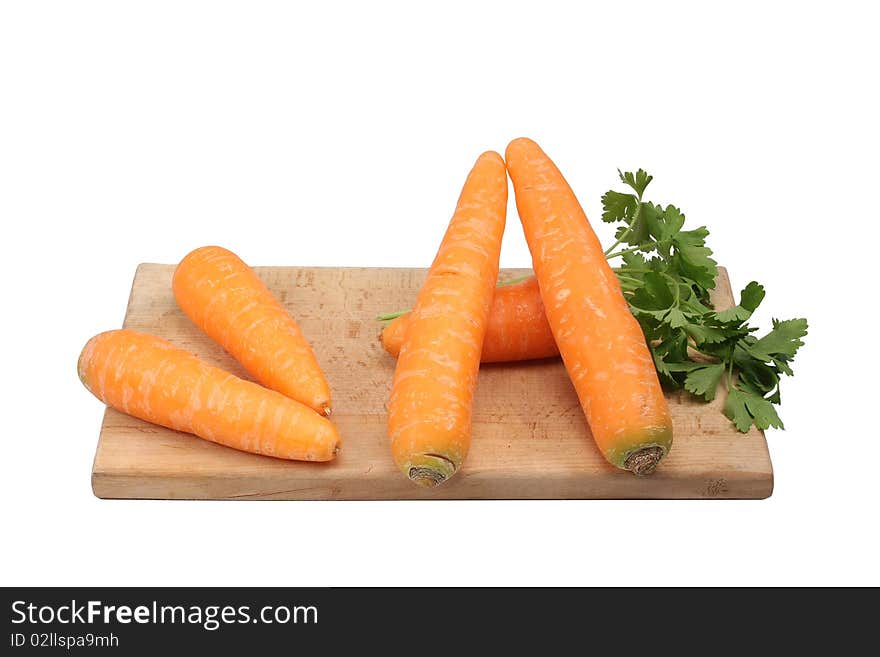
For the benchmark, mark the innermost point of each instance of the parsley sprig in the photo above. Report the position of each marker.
(666, 274)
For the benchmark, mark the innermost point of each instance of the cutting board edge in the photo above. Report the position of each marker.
(705, 485)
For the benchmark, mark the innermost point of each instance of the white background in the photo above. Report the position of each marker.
(340, 135)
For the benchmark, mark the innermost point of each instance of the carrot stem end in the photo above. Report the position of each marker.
(644, 461)
(430, 470)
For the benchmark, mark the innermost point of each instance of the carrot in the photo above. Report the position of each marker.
(229, 302)
(429, 411)
(153, 380)
(517, 328)
(601, 344)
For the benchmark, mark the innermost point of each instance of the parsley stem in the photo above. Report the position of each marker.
(387, 317)
(629, 228)
(623, 236)
(640, 247)
(693, 345)
(730, 373)
(633, 270)
(624, 277)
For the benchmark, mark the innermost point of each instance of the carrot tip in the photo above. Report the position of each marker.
(644, 461)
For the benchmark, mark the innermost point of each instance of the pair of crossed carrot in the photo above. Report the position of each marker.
(601, 344)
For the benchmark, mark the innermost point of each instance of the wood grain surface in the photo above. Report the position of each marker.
(530, 439)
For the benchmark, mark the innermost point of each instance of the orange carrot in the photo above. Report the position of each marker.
(429, 411)
(229, 302)
(517, 328)
(153, 380)
(601, 344)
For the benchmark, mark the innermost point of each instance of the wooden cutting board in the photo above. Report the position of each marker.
(530, 439)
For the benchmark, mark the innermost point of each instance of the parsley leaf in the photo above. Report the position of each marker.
(754, 375)
(663, 225)
(694, 262)
(736, 411)
(706, 335)
(782, 342)
(703, 381)
(654, 296)
(746, 408)
(618, 207)
(626, 208)
(638, 181)
(750, 299)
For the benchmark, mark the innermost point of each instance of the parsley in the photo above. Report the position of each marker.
(666, 274)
